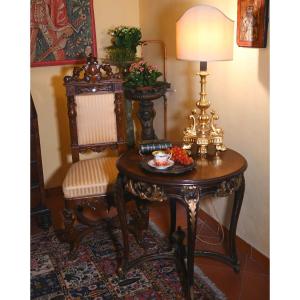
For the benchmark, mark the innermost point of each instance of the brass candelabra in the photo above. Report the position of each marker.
(203, 131)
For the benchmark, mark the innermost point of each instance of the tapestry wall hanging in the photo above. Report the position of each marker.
(61, 32)
(252, 23)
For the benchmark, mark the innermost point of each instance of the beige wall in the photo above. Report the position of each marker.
(239, 91)
(49, 95)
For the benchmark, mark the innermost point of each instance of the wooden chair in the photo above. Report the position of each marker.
(97, 122)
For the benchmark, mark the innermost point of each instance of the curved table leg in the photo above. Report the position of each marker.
(192, 200)
(232, 258)
(121, 208)
(238, 200)
(172, 204)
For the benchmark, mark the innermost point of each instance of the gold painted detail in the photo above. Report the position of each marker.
(191, 196)
(145, 191)
(203, 130)
(228, 187)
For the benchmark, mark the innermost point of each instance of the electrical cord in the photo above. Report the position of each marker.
(220, 229)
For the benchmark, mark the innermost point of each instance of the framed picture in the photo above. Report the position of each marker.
(252, 23)
(61, 32)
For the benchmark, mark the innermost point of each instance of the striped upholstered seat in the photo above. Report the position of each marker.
(90, 177)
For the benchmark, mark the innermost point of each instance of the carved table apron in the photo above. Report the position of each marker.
(217, 176)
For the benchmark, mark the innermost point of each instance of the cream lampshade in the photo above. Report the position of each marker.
(204, 34)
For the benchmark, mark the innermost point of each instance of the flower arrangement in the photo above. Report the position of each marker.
(124, 41)
(142, 74)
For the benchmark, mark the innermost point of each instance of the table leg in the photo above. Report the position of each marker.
(192, 199)
(172, 203)
(121, 208)
(238, 200)
(180, 256)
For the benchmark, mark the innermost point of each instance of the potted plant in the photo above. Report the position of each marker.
(141, 82)
(124, 41)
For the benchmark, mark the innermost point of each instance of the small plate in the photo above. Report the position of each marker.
(174, 169)
(152, 164)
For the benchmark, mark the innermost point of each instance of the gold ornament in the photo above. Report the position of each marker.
(203, 131)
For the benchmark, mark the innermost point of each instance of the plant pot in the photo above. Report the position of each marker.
(147, 92)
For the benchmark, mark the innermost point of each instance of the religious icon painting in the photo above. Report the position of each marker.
(252, 23)
(61, 32)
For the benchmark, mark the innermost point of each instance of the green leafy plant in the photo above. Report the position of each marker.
(120, 56)
(124, 41)
(125, 37)
(142, 74)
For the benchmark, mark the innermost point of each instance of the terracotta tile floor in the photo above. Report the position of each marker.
(251, 283)
(253, 280)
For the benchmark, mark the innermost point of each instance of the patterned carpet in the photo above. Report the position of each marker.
(92, 275)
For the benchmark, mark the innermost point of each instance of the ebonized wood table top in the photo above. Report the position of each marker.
(207, 171)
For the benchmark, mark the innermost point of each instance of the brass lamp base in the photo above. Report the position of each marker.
(203, 130)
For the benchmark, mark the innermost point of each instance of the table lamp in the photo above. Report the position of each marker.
(204, 34)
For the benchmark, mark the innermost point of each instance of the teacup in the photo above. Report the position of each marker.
(161, 158)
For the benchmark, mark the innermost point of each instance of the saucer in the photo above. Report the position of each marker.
(152, 164)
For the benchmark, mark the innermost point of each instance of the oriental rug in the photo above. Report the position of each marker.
(92, 275)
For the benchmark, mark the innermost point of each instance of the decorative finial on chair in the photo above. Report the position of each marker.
(92, 69)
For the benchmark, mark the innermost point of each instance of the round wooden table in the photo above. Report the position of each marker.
(218, 176)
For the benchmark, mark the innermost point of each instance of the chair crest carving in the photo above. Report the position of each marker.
(92, 71)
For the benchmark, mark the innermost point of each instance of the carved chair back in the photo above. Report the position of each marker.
(95, 109)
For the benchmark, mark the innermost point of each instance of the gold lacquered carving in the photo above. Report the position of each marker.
(145, 191)
(230, 186)
(191, 196)
(203, 130)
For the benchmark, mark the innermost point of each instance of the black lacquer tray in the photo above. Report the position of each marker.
(175, 169)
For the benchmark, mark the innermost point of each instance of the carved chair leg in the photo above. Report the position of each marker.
(70, 231)
(110, 202)
(139, 220)
(121, 207)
